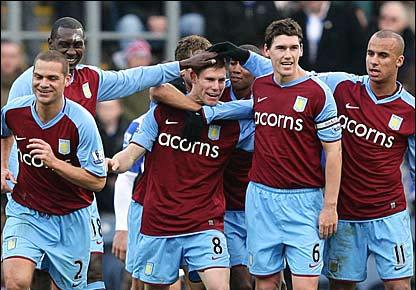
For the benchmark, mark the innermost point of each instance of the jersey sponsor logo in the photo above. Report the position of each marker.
(64, 146)
(261, 99)
(281, 121)
(300, 104)
(19, 138)
(28, 159)
(98, 156)
(214, 132)
(395, 122)
(167, 122)
(349, 106)
(86, 90)
(177, 143)
(368, 133)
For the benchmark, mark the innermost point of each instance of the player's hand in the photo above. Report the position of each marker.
(230, 50)
(6, 174)
(120, 245)
(199, 60)
(112, 165)
(194, 123)
(42, 151)
(328, 220)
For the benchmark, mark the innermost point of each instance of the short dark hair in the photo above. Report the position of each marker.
(189, 45)
(66, 22)
(285, 26)
(219, 63)
(54, 56)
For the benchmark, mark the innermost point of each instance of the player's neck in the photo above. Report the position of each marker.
(387, 88)
(47, 112)
(300, 72)
(241, 94)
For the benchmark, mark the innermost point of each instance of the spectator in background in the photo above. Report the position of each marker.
(111, 125)
(137, 53)
(13, 63)
(393, 16)
(334, 39)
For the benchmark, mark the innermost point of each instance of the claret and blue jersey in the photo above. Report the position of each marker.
(73, 137)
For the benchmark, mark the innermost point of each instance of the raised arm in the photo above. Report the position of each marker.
(171, 96)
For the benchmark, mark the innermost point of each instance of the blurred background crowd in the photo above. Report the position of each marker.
(123, 34)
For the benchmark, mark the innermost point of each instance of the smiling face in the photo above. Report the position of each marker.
(384, 58)
(49, 81)
(210, 84)
(70, 42)
(284, 53)
(240, 78)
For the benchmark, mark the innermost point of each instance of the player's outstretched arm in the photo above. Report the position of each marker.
(76, 175)
(124, 160)
(328, 218)
(6, 145)
(173, 97)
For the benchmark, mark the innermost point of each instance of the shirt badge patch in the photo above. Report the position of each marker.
(98, 156)
(214, 132)
(333, 266)
(395, 122)
(300, 104)
(11, 244)
(148, 269)
(86, 90)
(64, 146)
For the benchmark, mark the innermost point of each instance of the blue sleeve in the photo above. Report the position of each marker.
(147, 132)
(90, 151)
(119, 84)
(246, 139)
(326, 122)
(411, 156)
(22, 86)
(136, 168)
(234, 110)
(5, 131)
(333, 79)
(258, 65)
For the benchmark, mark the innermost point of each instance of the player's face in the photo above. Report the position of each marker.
(48, 81)
(382, 59)
(284, 53)
(211, 83)
(70, 42)
(240, 78)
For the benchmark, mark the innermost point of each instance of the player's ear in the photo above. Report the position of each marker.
(266, 50)
(67, 80)
(194, 76)
(301, 50)
(400, 61)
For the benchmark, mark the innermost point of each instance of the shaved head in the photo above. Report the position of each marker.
(399, 42)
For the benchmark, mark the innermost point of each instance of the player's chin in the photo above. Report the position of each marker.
(210, 101)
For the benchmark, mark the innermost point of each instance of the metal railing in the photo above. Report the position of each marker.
(93, 30)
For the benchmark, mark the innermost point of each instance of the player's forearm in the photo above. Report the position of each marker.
(78, 176)
(332, 174)
(6, 146)
(123, 189)
(128, 156)
(171, 96)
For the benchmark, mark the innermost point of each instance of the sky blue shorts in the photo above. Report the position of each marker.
(283, 224)
(134, 222)
(236, 234)
(160, 258)
(97, 241)
(63, 242)
(389, 239)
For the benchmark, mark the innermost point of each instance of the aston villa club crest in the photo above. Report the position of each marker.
(300, 104)
(214, 132)
(86, 90)
(395, 122)
(64, 146)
